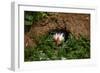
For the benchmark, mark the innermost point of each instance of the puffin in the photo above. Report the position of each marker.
(60, 36)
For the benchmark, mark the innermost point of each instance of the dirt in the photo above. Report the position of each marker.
(75, 23)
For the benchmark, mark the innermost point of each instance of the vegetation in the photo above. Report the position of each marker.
(32, 17)
(47, 50)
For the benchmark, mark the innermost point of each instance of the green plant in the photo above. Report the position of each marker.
(32, 17)
(46, 49)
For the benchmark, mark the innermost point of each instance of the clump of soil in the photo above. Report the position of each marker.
(75, 23)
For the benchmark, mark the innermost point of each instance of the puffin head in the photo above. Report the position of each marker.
(58, 38)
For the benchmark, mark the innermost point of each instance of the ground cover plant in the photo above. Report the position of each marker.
(47, 50)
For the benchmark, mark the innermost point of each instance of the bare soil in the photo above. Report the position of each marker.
(75, 23)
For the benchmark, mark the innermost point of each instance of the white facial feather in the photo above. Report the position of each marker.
(59, 35)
